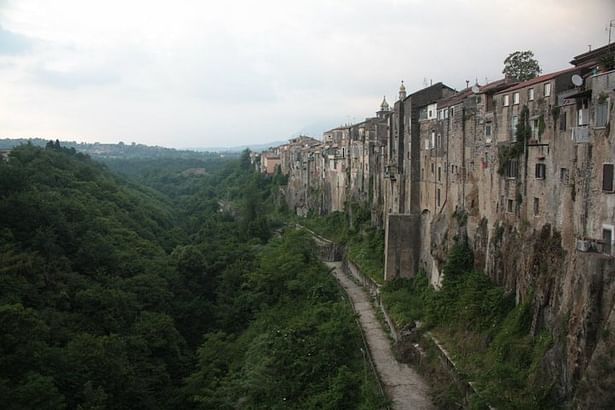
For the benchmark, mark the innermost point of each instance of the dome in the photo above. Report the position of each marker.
(385, 105)
(402, 91)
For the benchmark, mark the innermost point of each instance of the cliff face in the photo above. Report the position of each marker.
(572, 295)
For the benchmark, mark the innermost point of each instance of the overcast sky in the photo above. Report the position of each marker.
(220, 73)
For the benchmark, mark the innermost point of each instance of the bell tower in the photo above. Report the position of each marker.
(402, 91)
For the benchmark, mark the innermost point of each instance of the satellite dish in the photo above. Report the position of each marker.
(475, 89)
(577, 80)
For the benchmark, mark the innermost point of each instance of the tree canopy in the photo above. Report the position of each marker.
(521, 66)
(163, 289)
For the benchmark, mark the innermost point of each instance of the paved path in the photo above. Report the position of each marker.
(403, 385)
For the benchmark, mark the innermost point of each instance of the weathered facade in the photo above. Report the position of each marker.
(523, 170)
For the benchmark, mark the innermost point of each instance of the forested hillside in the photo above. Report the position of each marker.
(114, 294)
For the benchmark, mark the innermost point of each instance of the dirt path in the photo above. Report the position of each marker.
(403, 385)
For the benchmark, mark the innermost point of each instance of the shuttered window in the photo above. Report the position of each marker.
(511, 168)
(541, 170)
(602, 113)
(562, 121)
(607, 177)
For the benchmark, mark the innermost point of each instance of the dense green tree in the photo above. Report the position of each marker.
(163, 289)
(521, 66)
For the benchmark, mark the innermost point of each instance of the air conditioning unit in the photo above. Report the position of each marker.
(583, 245)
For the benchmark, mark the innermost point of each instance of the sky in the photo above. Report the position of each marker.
(224, 73)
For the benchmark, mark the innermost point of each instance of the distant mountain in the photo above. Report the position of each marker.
(239, 148)
(117, 151)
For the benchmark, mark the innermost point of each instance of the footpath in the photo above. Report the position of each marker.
(406, 389)
(402, 384)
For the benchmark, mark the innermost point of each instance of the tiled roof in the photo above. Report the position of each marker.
(496, 85)
(539, 79)
(454, 99)
(592, 55)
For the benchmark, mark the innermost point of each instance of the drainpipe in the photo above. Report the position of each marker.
(525, 160)
(448, 126)
(463, 158)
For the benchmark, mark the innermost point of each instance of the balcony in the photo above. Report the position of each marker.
(580, 135)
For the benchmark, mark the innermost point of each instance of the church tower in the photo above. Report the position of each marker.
(402, 91)
(384, 108)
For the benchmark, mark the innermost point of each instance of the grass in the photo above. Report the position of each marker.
(488, 336)
(364, 244)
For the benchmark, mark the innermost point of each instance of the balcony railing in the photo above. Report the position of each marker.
(580, 135)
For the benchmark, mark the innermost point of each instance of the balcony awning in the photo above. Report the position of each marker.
(580, 94)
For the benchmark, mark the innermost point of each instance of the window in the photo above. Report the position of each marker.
(439, 174)
(547, 89)
(433, 139)
(602, 113)
(536, 206)
(562, 121)
(513, 127)
(515, 98)
(607, 177)
(607, 239)
(488, 130)
(510, 168)
(506, 100)
(530, 94)
(535, 129)
(452, 112)
(582, 111)
(438, 197)
(432, 110)
(439, 141)
(564, 176)
(541, 170)
(509, 205)
(432, 168)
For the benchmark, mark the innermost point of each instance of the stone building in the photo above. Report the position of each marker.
(402, 176)
(268, 162)
(523, 170)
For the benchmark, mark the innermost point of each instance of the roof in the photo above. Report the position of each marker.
(539, 79)
(340, 128)
(454, 99)
(593, 55)
(497, 85)
(423, 91)
(465, 93)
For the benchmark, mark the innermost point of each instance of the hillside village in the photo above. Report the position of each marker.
(523, 170)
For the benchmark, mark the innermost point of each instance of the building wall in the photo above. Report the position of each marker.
(528, 230)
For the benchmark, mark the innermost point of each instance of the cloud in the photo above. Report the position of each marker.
(73, 79)
(12, 43)
(192, 73)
